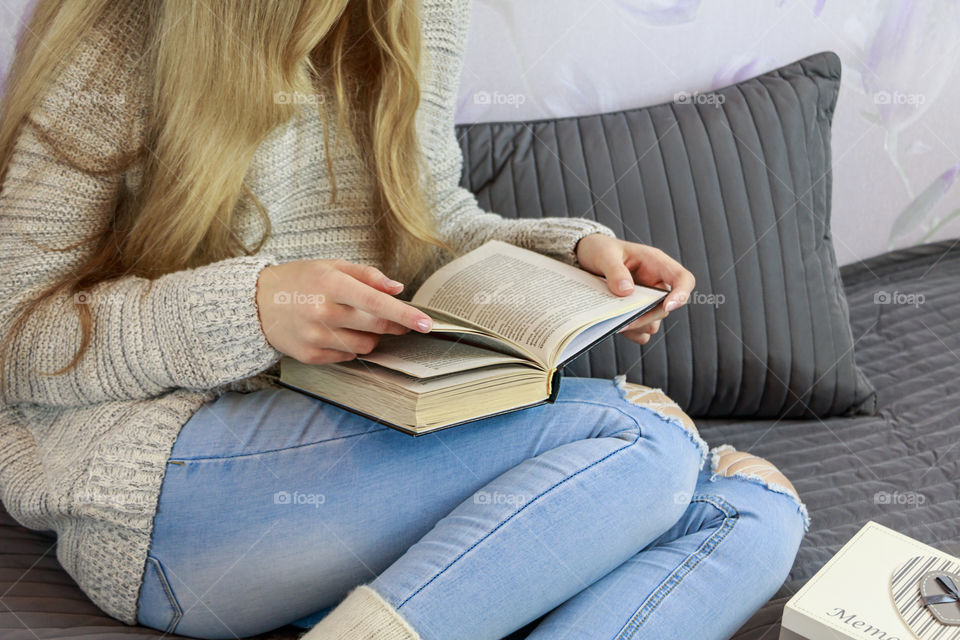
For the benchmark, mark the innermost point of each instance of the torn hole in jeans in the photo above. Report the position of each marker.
(755, 473)
(658, 402)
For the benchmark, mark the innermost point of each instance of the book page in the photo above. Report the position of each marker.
(423, 356)
(527, 298)
(481, 338)
(591, 335)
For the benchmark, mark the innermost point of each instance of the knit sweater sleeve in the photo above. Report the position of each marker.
(460, 220)
(195, 329)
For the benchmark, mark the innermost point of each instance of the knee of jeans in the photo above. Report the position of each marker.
(763, 541)
(660, 404)
(770, 522)
(726, 461)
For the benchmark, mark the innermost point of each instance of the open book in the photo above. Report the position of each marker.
(505, 321)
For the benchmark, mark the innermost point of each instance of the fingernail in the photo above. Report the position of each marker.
(624, 285)
(424, 325)
(391, 283)
(671, 306)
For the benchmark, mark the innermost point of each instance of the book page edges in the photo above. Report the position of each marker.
(405, 429)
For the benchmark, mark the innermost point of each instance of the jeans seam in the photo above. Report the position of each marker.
(639, 434)
(168, 591)
(619, 409)
(266, 451)
(685, 568)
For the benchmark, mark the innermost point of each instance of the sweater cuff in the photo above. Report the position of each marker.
(561, 235)
(221, 299)
(363, 615)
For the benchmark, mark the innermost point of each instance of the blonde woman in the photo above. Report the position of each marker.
(168, 168)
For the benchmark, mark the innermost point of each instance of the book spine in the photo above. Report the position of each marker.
(554, 384)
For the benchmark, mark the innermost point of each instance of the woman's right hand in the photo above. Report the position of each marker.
(321, 311)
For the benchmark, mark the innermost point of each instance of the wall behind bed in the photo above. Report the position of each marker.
(896, 128)
(896, 131)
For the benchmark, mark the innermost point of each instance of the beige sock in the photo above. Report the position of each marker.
(363, 615)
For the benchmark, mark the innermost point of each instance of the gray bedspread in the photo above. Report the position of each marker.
(900, 467)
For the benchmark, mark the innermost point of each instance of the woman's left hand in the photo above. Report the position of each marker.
(624, 263)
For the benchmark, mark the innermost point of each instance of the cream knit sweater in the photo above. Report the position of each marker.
(83, 453)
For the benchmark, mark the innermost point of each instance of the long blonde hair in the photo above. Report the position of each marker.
(217, 68)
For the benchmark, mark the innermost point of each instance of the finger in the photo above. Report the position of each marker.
(315, 355)
(680, 281)
(637, 336)
(351, 318)
(656, 266)
(654, 315)
(359, 342)
(618, 276)
(377, 303)
(371, 276)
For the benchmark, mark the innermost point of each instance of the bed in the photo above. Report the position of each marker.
(900, 467)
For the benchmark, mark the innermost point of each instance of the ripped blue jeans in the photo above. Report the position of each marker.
(595, 513)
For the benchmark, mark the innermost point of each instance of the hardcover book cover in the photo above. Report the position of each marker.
(853, 595)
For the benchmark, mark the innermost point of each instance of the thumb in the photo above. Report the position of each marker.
(618, 277)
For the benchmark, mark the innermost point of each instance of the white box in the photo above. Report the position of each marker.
(850, 596)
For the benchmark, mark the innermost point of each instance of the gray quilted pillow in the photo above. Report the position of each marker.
(736, 185)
